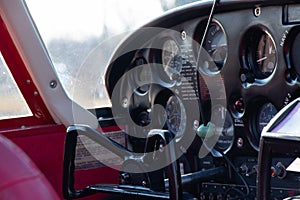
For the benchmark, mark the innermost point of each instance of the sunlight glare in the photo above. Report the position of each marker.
(78, 19)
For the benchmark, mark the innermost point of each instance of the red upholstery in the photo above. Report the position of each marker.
(19, 177)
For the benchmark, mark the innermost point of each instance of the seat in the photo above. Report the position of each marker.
(20, 178)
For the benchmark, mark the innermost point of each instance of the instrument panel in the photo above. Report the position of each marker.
(241, 66)
(242, 81)
(235, 71)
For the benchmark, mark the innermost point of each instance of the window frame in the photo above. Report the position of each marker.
(41, 115)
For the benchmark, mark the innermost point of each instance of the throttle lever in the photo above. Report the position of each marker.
(155, 137)
(166, 138)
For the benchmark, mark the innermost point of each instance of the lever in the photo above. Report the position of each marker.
(167, 138)
(200, 176)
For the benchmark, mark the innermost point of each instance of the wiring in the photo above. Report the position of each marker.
(243, 195)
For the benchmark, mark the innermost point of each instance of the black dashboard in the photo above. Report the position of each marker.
(214, 81)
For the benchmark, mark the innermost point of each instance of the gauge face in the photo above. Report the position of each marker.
(265, 58)
(224, 128)
(223, 138)
(142, 76)
(171, 59)
(145, 77)
(265, 114)
(260, 53)
(175, 116)
(215, 44)
(294, 53)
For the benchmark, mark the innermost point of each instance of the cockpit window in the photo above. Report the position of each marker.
(12, 104)
(80, 37)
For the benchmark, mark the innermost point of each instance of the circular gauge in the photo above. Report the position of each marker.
(175, 116)
(213, 55)
(223, 137)
(259, 54)
(224, 128)
(215, 44)
(142, 76)
(292, 49)
(260, 119)
(171, 59)
(265, 114)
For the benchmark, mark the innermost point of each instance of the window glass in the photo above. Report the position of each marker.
(12, 102)
(81, 36)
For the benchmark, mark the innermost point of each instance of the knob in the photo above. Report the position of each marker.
(278, 171)
(239, 105)
(125, 178)
(253, 170)
(247, 77)
(281, 170)
(243, 169)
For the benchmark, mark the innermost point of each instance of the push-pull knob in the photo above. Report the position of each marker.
(247, 77)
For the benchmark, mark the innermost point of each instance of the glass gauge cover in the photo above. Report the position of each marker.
(175, 116)
(259, 119)
(142, 76)
(264, 116)
(213, 55)
(260, 54)
(223, 138)
(224, 128)
(216, 45)
(291, 47)
(171, 59)
(265, 58)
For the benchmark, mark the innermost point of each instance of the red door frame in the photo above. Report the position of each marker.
(41, 115)
(38, 135)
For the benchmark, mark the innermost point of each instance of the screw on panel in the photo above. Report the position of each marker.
(53, 84)
(161, 148)
(240, 143)
(257, 11)
(124, 102)
(28, 82)
(144, 183)
(183, 150)
(183, 35)
(196, 124)
(35, 93)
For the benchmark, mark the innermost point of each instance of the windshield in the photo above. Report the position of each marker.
(81, 35)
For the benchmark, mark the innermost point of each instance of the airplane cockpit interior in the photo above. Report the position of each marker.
(202, 101)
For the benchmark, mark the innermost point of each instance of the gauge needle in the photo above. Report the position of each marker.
(264, 58)
(270, 50)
